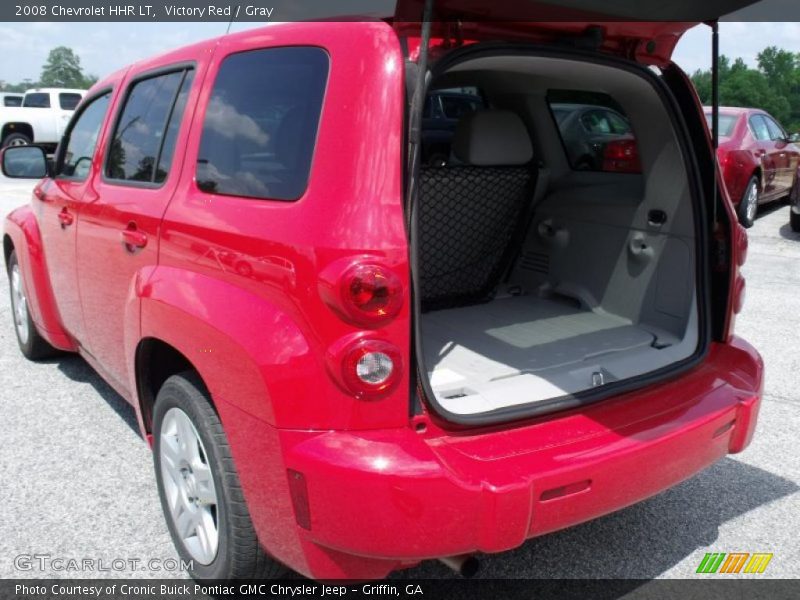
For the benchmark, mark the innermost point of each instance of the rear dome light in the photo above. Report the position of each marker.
(371, 368)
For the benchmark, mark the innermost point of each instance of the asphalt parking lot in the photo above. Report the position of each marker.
(76, 480)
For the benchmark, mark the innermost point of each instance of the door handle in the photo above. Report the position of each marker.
(133, 239)
(65, 218)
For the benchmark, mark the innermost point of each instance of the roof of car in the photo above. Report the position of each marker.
(733, 110)
(56, 90)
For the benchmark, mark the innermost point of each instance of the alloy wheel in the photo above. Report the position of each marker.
(19, 305)
(752, 202)
(189, 486)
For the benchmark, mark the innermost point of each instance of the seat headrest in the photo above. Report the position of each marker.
(492, 138)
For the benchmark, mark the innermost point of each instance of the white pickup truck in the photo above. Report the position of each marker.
(41, 119)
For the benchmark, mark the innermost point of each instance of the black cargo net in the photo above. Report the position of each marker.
(468, 217)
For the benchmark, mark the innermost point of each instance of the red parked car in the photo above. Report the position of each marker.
(435, 361)
(759, 160)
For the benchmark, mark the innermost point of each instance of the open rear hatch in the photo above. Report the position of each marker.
(541, 284)
(646, 30)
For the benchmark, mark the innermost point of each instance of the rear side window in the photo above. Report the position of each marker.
(144, 136)
(68, 101)
(81, 139)
(12, 101)
(595, 131)
(260, 126)
(759, 128)
(37, 100)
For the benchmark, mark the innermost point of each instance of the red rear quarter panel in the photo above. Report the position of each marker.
(236, 290)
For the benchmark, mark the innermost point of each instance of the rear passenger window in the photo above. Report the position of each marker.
(36, 100)
(144, 136)
(595, 131)
(68, 101)
(261, 123)
(759, 128)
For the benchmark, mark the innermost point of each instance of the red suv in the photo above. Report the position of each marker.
(347, 362)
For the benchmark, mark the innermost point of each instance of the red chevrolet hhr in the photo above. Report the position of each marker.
(347, 362)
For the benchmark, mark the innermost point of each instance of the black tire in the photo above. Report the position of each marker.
(34, 347)
(16, 139)
(746, 218)
(239, 554)
(794, 219)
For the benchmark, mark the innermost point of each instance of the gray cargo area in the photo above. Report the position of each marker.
(598, 285)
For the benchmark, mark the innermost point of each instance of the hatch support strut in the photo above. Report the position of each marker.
(715, 107)
(417, 102)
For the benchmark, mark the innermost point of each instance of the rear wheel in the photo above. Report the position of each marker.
(748, 207)
(16, 139)
(200, 491)
(32, 345)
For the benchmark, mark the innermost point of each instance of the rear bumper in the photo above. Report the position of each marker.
(383, 499)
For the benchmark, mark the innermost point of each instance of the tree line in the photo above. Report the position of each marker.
(774, 86)
(61, 69)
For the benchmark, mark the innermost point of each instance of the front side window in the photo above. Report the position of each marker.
(776, 132)
(260, 126)
(12, 101)
(37, 100)
(81, 139)
(68, 101)
(147, 127)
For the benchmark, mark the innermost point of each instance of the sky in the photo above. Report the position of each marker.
(105, 47)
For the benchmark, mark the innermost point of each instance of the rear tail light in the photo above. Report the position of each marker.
(372, 292)
(367, 294)
(364, 367)
(621, 156)
(374, 368)
(371, 368)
